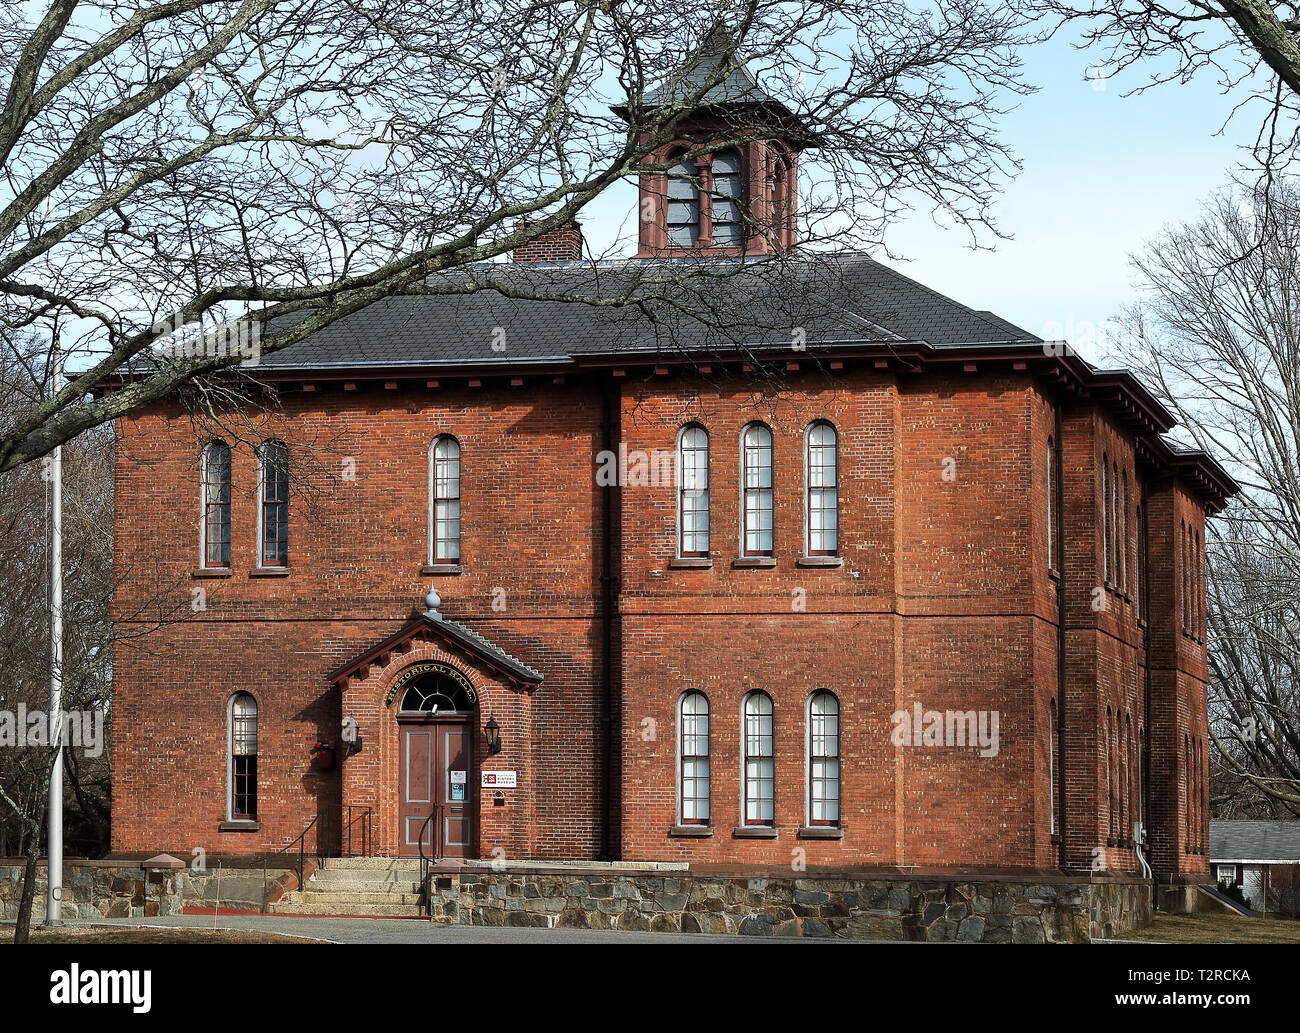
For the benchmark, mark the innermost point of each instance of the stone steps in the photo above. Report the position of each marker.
(363, 886)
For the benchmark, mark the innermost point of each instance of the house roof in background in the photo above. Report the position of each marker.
(1276, 842)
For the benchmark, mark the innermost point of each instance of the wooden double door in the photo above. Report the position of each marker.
(436, 769)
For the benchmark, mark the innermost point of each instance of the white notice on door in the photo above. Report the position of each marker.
(458, 778)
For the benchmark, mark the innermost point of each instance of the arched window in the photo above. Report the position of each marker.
(1182, 573)
(1200, 587)
(822, 473)
(693, 491)
(823, 759)
(1051, 766)
(756, 484)
(435, 694)
(1140, 574)
(683, 202)
(1110, 784)
(693, 752)
(273, 513)
(215, 526)
(444, 500)
(1123, 531)
(1105, 519)
(1116, 527)
(726, 199)
(1051, 504)
(759, 761)
(242, 759)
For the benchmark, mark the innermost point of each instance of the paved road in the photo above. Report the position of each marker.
(410, 930)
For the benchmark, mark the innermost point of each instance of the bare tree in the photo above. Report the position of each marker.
(195, 162)
(1220, 341)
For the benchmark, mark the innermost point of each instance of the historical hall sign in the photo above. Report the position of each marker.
(426, 668)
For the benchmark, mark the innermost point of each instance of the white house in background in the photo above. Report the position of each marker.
(1251, 854)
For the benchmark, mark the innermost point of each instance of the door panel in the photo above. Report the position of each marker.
(457, 793)
(436, 765)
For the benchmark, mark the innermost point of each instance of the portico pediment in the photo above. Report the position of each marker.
(451, 635)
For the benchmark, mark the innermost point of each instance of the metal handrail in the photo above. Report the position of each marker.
(322, 817)
(426, 862)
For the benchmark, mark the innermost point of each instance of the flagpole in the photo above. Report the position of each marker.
(54, 810)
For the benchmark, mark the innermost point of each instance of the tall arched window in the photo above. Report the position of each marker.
(1140, 574)
(1182, 573)
(273, 513)
(1199, 581)
(1123, 531)
(694, 779)
(242, 759)
(1105, 519)
(725, 200)
(683, 202)
(693, 491)
(822, 472)
(215, 526)
(1051, 766)
(444, 500)
(1110, 778)
(823, 759)
(759, 761)
(1051, 504)
(1116, 528)
(756, 484)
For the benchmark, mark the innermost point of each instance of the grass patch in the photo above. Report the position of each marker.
(1217, 928)
(117, 935)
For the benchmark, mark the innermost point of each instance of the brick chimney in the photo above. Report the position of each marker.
(559, 245)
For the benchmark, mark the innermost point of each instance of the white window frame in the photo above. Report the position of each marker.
(808, 489)
(261, 504)
(681, 727)
(744, 761)
(230, 754)
(203, 508)
(808, 758)
(432, 514)
(744, 513)
(679, 489)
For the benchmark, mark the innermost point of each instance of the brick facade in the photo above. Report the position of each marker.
(942, 595)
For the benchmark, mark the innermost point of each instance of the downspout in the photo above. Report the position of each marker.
(1144, 587)
(1060, 641)
(609, 599)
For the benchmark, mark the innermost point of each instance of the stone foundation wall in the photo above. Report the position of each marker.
(933, 910)
(105, 889)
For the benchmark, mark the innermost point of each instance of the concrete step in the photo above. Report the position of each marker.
(373, 882)
(360, 910)
(372, 863)
(312, 895)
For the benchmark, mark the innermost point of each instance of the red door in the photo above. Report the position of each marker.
(435, 769)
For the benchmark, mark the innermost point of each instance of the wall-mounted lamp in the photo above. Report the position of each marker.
(493, 732)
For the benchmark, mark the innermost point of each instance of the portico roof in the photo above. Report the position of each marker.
(453, 634)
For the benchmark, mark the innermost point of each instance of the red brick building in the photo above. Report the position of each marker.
(862, 577)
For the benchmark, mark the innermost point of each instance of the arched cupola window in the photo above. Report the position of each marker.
(683, 202)
(726, 200)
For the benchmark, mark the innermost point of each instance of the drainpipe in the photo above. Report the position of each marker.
(1060, 641)
(1144, 587)
(609, 599)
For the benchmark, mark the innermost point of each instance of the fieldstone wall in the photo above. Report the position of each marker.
(105, 889)
(856, 909)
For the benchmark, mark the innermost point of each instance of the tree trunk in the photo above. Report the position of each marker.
(23, 928)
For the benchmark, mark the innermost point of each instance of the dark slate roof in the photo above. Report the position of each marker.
(695, 306)
(1275, 841)
(477, 643)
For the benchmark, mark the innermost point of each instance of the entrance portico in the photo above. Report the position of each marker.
(422, 700)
